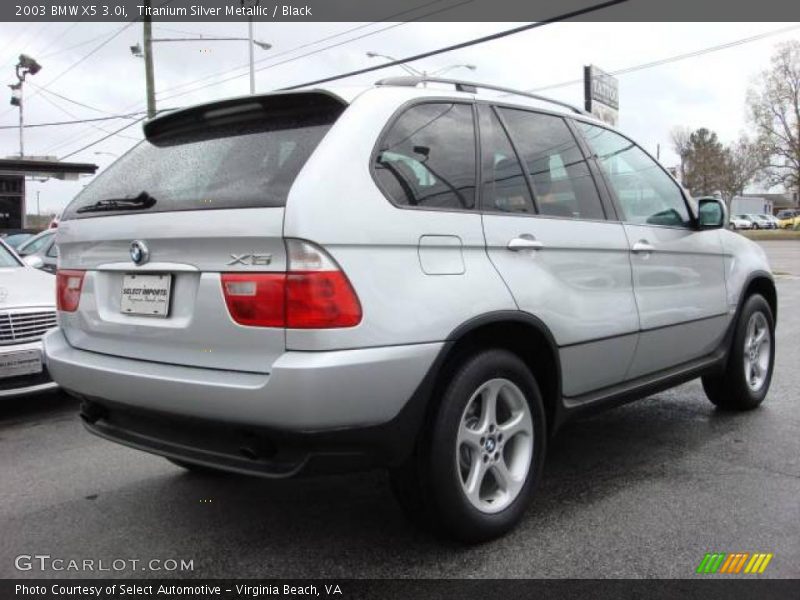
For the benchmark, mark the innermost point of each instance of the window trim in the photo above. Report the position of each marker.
(401, 110)
(619, 209)
(578, 142)
(485, 210)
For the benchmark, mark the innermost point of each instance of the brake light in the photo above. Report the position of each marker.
(68, 289)
(313, 294)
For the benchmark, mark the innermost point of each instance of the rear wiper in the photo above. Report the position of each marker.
(140, 202)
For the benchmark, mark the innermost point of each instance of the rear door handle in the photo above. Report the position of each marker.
(642, 246)
(524, 243)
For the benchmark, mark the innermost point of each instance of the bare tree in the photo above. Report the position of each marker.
(744, 164)
(774, 107)
(679, 136)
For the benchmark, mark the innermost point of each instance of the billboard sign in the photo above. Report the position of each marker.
(601, 94)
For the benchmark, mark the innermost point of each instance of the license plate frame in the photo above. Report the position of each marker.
(146, 295)
(20, 362)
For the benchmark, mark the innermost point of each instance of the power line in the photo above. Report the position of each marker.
(76, 121)
(88, 55)
(306, 45)
(675, 58)
(68, 113)
(70, 100)
(538, 89)
(467, 44)
(102, 139)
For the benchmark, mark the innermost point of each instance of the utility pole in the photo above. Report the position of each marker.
(148, 61)
(252, 59)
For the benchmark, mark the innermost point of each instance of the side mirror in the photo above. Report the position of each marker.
(32, 260)
(712, 213)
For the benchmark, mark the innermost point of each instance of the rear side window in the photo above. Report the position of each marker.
(241, 164)
(427, 158)
(504, 186)
(563, 185)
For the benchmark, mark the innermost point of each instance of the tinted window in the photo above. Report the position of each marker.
(562, 183)
(504, 185)
(427, 158)
(246, 164)
(52, 251)
(646, 194)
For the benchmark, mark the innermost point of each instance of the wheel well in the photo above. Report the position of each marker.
(765, 287)
(525, 340)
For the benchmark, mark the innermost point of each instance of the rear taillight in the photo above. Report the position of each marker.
(255, 299)
(68, 289)
(314, 293)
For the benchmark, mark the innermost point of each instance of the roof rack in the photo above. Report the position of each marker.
(472, 87)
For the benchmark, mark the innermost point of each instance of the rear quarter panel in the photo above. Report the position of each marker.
(336, 203)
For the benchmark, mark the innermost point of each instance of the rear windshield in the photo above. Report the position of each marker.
(251, 163)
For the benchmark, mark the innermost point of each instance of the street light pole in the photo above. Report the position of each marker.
(21, 124)
(25, 66)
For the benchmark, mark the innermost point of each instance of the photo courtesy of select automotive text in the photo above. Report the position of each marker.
(399, 299)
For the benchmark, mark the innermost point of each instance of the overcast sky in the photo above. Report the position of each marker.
(702, 91)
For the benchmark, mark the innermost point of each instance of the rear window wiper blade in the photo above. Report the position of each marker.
(140, 202)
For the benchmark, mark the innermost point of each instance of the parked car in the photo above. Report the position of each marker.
(772, 219)
(27, 311)
(41, 251)
(788, 219)
(762, 222)
(738, 223)
(13, 240)
(324, 279)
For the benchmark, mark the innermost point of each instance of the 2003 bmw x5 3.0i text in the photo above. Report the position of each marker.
(431, 279)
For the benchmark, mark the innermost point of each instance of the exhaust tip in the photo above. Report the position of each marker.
(91, 412)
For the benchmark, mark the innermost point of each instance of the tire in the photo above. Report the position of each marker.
(197, 469)
(465, 480)
(744, 382)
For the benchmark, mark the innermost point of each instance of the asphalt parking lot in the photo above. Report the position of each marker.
(641, 491)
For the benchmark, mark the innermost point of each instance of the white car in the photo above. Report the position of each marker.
(27, 312)
(739, 223)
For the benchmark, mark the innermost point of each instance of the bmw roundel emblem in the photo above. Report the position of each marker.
(139, 252)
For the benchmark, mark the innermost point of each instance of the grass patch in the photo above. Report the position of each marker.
(771, 234)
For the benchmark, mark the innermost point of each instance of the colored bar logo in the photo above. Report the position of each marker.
(734, 563)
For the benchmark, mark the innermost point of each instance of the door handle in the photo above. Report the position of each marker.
(524, 243)
(642, 246)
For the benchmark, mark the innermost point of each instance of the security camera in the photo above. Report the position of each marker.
(28, 63)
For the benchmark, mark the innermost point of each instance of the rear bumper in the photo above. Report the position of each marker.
(315, 412)
(306, 391)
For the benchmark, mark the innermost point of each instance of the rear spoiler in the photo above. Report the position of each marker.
(243, 108)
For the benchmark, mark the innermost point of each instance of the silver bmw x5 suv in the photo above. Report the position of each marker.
(430, 279)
